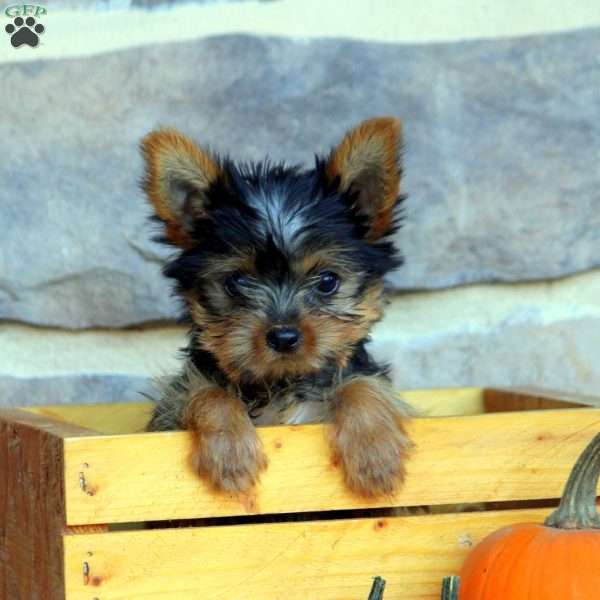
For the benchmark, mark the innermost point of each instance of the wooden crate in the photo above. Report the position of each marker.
(79, 485)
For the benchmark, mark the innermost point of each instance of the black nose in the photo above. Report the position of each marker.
(283, 339)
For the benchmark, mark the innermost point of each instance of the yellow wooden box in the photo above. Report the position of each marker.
(79, 486)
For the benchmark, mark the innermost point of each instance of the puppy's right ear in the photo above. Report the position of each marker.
(177, 178)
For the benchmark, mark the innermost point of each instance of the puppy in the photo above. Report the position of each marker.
(281, 270)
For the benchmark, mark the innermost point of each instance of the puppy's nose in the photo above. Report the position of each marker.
(283, 339)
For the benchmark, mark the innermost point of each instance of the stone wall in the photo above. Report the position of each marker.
(501, 284)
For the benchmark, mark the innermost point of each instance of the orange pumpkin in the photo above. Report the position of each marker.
(559, 560)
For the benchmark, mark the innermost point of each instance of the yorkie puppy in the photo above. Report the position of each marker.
(281, 272)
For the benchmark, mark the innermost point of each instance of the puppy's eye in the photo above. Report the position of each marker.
(328, 284)
(234, 284)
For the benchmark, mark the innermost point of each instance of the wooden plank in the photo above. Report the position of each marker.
(110, 418)
(524, 399)
(495, 457)
(445, 402)
(32, 505)
(329, 560)
(132, 417)
(55, 427)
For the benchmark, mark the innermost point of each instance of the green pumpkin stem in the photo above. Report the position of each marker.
(577, 508)
(450, 587)
(377, 589)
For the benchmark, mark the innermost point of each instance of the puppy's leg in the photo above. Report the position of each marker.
(368, 435)
(228, 451)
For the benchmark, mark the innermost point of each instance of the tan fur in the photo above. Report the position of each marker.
(218, 268)
(326, 259)
(338, 336)
(173, 159)
(368, 160)
(240, 346)
(368, 435)
(239, 341)
(228, 451)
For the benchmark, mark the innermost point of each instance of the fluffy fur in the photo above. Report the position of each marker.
(281, 273)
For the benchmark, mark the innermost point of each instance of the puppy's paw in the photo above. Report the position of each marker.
(230, 461)
(369, 441)
(373, 463)
(228, 451)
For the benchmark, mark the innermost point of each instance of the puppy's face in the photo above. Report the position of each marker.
(282, 270)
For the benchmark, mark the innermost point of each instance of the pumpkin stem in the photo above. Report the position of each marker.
(377, 589)
(450, 587)
(577, 508)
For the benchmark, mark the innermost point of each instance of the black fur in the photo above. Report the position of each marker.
(233, 223)
(277, 212)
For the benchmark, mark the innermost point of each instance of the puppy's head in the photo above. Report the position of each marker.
(281, 269)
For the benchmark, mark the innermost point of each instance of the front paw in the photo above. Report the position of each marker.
(227, 452)
(230, 461)
(372, 466)
(369, 441)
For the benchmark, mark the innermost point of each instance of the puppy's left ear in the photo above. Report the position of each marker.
(367, 164)
(178, 176)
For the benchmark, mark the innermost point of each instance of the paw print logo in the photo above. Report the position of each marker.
(24, 32)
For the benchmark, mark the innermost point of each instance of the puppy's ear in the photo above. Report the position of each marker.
(367, 164)
(177, 178)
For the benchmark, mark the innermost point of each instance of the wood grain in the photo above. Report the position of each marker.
(495, 457)
(32, 506)
(58, 468)
(526, 399)
(328, 560)
(110, 418)
(445, 402)
(132, 417)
